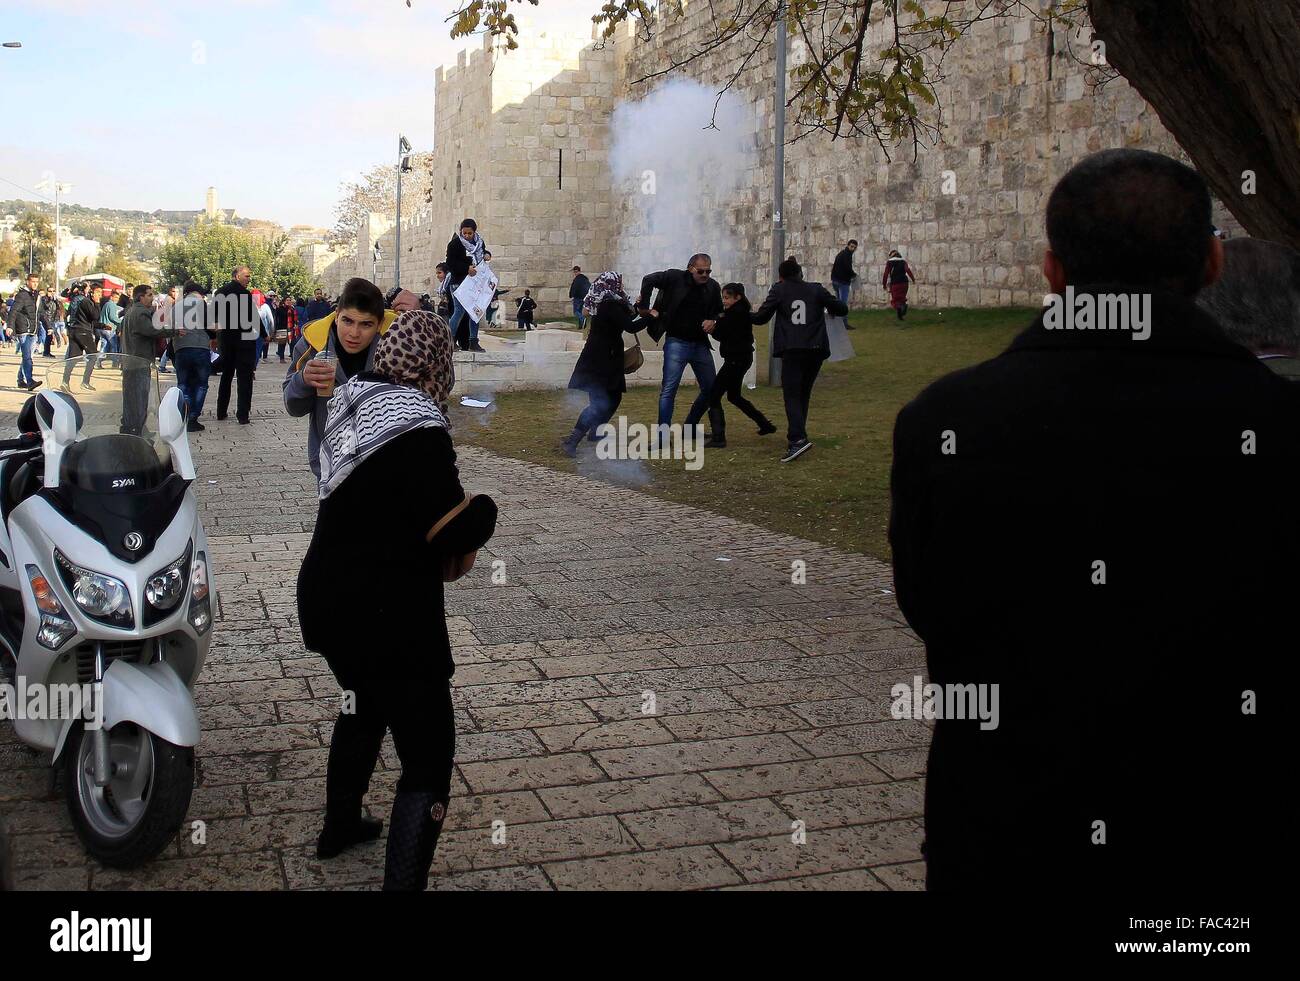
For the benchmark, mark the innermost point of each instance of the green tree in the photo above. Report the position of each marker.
(36, 235)
(11, 266)
(209, 254)
(291, 277)
(115, 259)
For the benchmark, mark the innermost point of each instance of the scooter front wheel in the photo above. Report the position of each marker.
(131, 820)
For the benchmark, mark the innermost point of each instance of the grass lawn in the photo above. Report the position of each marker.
(838, 492)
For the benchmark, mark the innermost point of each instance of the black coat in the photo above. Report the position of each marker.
(1119, 701)
(734, 332)
(394, 608)
(458, 260)
(791, 334)
(23, 316)
(673, 285)
(842, 270)
(86, 323)
(580, 287)
(600, 365)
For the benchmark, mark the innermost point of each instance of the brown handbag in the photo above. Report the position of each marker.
(633, 358)
(453, 566)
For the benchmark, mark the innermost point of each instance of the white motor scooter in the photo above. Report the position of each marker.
(104, 590)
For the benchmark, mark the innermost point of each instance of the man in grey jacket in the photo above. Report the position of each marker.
(349, 335)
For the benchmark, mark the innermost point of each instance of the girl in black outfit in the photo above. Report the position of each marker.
(599, 371)
(370, 596)
(735, 337)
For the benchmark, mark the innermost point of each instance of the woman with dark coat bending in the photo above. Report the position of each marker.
(599, 371)
(370, 596)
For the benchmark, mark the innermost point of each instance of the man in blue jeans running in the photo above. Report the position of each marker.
(688, 298)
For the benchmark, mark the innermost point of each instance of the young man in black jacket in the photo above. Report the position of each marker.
(687, 299)
(801, 342)
(842, 274)
(24, 318)
(578, 290)
(82, 339)
(1074, 522)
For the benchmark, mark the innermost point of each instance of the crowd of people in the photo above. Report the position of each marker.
(1068, 520)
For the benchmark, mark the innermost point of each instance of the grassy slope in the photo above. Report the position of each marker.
(838, 492)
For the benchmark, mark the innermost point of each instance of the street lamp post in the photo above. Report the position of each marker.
(403, 165)
(59, 189)
(778, 187)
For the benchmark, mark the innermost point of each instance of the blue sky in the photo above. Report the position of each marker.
(144, 104)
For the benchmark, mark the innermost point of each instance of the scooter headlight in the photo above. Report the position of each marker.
(165, 588)
(100, 596)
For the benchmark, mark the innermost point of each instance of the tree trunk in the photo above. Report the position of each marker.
(1224, 77)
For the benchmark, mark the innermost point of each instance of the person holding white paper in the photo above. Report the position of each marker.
(464, 256)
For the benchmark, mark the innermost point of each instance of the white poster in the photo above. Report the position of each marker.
(477, 291)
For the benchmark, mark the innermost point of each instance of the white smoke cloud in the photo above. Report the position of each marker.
(681, 180)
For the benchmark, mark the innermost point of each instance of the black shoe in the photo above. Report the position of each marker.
(245, 422)
(413, 832)
(33, 386)
(221, 417)
(766, 428)
(194, 426)
(333, 840)
(569, 445)
(796, 450)
(715, 442)
(476, 346)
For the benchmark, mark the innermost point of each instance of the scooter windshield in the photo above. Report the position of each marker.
(117, 395)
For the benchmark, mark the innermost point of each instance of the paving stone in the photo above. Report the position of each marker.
(671, 868)
(833, 850)
(627, 796)
(765, 708)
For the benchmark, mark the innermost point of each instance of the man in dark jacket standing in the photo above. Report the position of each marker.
(319, 307)
(842, 274)
(1072, 522)
(801, 342)
(139, 340)
(24, 317)
(238, 322)
(578, 290)
(687, 299)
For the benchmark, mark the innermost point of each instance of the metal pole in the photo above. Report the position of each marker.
(778, 187)
(56, 239)
(397, 273)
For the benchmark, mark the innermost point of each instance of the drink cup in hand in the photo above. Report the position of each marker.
(322, 368)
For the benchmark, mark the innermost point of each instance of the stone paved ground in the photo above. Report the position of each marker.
(771, 701)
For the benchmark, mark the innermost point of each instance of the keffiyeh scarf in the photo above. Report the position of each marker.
(474, 249)
(413, 361)
(606, 284)
(364, 416)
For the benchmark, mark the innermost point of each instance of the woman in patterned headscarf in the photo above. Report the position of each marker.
(370, 592)
(599, 371)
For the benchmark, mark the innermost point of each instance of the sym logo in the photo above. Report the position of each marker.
(123, 482)
(133, 541)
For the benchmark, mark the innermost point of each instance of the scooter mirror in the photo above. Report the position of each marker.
(60, 420)
(171, 427)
